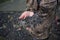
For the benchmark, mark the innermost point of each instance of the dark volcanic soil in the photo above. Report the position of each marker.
(10, 29)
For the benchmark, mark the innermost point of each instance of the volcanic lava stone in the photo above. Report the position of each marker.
(9, 26)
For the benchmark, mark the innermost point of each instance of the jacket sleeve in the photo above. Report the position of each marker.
(31, 5)
(48, 5)
(58, 2)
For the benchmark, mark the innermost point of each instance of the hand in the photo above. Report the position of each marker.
(26, 14)
(57, 20)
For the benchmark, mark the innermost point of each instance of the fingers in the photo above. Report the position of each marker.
(26, 14)
(23, 16)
